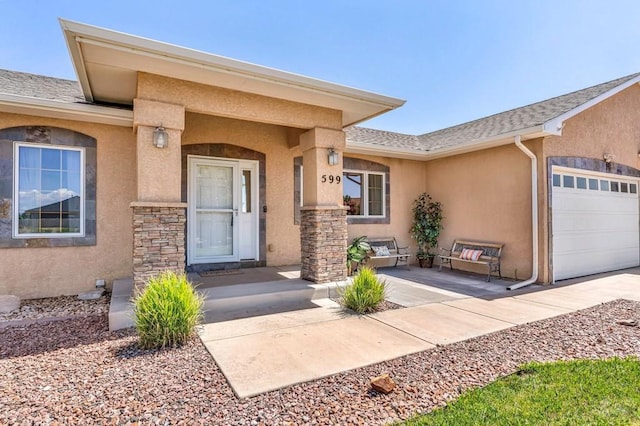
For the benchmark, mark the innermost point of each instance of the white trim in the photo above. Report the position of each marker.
(63, 110)
(16, 191)
(555, 125)
(473, 145)
(254, 167)
(362, 104)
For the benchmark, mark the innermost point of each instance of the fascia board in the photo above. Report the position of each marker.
(76, 33)
(555, 125)
(56, 109)
(421, 155)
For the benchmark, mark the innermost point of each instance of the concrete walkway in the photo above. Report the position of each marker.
(265, 353)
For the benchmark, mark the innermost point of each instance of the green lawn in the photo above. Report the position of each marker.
(561, 393)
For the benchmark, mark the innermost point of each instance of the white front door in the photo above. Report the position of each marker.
(222, 200)
(595, 223)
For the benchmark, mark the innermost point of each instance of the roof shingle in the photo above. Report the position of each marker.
(494, 125)
(38, 86)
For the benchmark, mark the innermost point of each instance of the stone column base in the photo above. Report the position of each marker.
(158, 239)
(323, 241)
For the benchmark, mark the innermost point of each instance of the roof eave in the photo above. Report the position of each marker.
(555, 125)
(488, 142)
(76, 33)
(421, 155)
(68, 111)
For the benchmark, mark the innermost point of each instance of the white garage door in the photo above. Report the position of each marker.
(595, 223)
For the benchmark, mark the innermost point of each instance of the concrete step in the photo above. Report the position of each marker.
(223, 303)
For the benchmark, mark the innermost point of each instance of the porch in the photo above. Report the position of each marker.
(251, 292)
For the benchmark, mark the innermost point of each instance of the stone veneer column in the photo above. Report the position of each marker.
(323, 218)
(323, 235)
(158, 239)
(159, 216)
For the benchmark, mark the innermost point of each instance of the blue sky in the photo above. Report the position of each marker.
(453, 61)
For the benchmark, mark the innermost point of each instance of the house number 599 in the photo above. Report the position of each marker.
(331, 178)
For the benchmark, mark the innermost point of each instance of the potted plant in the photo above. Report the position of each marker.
(356, 252)
(426, 227)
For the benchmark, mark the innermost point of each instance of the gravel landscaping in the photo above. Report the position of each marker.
(77, 372)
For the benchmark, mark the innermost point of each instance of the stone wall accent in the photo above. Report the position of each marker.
(323, 238)
(158, 239)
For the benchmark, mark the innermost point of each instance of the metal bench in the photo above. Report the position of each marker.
(474, 252)
(400, 254)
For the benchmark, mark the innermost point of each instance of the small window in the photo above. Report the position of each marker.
(604, 185)
(624, 187)
(581, 183)
(593, 184)
(363, 193)
(246, 191)
(615, 186)
(556, 180)
(49, 189)
(633, 188)
(567, 181)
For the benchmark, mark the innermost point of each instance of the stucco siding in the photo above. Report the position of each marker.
(486, 196)
(46, 272)
(612, 126)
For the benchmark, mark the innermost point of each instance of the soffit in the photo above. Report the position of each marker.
(107, 63)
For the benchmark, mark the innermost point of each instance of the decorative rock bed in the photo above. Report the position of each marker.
(77, 372)
(54, 308)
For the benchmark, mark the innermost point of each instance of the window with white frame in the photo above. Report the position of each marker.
(363, 193)
(48, 191)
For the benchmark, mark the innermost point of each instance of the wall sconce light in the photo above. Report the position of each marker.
(334, 157)
(608, 158)
(160, 137)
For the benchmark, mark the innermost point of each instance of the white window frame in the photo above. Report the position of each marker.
(365, 196)
(16, 190)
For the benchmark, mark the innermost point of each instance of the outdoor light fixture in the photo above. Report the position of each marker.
(608, 158)
(160, 137)
(333, 157)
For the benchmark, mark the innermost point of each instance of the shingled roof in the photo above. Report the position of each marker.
(537, 114)
(38, 86)
(495, 125)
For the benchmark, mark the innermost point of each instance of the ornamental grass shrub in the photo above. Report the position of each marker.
(167, 311)
(365, 292)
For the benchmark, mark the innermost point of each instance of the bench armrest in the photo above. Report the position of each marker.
(444, 250)
(403, 248)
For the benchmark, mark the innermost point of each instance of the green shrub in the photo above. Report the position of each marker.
(167, 311)
(365, 293)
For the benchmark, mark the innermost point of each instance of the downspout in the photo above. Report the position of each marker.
(534, 215)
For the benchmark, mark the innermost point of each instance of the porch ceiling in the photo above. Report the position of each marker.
(107, 63)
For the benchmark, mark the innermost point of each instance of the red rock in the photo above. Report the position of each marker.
(383, 383)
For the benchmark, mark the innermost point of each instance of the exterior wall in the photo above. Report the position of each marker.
(486, 196)
(47, 272)
(611, 127)
(234, 104)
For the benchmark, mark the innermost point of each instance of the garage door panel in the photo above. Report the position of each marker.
(596, 241)
(593, 230)
(607, 202)
(573, 222)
